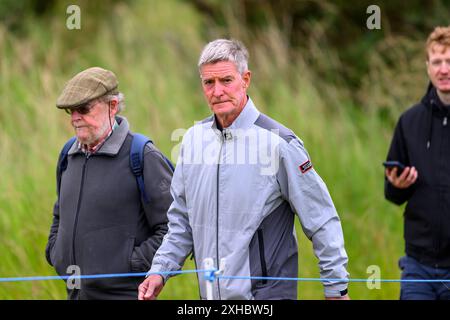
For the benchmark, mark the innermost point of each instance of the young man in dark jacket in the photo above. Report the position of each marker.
(101, 225)
(422, 143)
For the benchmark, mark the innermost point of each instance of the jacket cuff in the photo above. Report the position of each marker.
(159, 270)
(336, 290)
(396, 195)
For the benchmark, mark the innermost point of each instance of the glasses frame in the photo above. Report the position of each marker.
(82, 109)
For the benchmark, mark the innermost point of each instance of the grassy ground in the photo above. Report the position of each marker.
(153, 48)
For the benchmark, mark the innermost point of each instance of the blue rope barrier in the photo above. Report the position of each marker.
(99, 276)
(337, 280)
(210, 276)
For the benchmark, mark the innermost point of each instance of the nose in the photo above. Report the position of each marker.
(218, 89)
(75, 115)
(444, 67)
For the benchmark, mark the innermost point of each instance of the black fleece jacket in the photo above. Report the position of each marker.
(422, 140)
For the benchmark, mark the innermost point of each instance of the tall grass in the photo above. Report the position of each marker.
(153, 48)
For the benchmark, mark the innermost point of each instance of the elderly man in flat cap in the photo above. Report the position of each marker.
(101, 223)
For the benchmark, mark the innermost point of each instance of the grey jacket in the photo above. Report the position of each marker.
(236, 193)
(99, 222)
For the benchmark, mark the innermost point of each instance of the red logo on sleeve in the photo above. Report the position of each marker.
(305, 166)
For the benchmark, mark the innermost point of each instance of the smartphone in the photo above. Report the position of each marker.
(395, 164)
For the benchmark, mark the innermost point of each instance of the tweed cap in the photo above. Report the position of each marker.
(87, 85)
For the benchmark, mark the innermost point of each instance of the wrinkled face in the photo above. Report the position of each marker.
(438, 67)
(225, 89)
(94, 125)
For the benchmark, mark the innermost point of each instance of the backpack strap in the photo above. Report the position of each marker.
(62, 161)
(137, 161)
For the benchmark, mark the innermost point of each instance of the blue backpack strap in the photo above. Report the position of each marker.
(62, 161)
(137, 161)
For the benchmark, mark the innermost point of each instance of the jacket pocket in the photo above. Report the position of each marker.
(106, 250)
(262, 255)
(60, 253)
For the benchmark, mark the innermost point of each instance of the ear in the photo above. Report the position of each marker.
(114, 106)
(246, 78)
(427, 63)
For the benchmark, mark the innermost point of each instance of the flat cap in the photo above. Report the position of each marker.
(87, 85)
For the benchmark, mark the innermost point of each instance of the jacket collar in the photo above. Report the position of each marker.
(245, 119)
(115, 141)
(434, 108)
(432, 101)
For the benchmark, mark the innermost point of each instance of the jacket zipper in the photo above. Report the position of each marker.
(217, 211)
(74, 261)
(441, 195)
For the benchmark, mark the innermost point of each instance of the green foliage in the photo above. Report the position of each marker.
(13, 12)
(310, 26)
(153, 47)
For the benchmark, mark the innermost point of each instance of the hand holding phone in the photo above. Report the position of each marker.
(395, 164)
(405, 177)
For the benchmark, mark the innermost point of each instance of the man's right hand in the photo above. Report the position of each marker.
(403, 181)
(150, 288)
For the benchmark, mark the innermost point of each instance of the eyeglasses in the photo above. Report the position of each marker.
(82, 109)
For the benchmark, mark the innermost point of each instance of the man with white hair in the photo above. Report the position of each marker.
(104, 220)
(232, 205)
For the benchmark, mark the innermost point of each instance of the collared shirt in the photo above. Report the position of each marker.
(91, 150)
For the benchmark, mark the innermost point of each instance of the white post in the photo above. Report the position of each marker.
(208, 264)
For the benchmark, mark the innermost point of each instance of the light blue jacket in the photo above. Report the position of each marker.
(236, 193)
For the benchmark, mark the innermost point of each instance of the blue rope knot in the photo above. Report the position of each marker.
(211, 275)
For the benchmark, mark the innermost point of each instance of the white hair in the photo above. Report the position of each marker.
(120, 97)
(225, 50)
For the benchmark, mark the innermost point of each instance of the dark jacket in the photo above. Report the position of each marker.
(422, 140)
(100, 223)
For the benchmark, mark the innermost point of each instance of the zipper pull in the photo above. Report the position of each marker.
(227, 134)
(444, 122)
